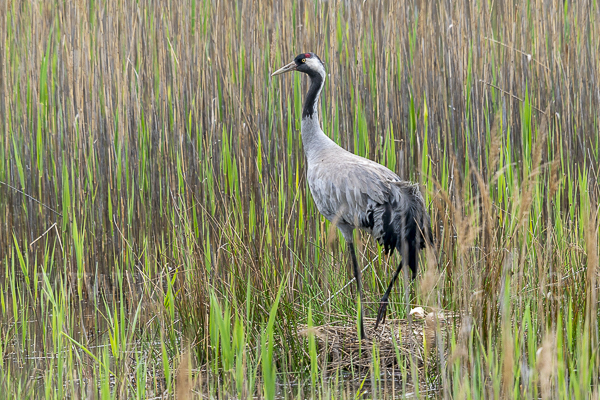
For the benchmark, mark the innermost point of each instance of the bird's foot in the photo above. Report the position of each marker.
(363, 335)
(381, 313)
(361, 331)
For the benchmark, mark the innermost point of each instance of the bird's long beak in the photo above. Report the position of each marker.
(289, 67)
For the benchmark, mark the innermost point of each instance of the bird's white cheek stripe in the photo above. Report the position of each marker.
(315, 64)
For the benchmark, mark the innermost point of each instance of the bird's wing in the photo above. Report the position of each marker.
(345, 189)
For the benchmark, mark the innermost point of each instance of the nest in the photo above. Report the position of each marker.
(398, 345)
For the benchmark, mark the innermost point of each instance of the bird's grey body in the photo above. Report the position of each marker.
(355, 192)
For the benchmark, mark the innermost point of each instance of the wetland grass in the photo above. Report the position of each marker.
(158, 239)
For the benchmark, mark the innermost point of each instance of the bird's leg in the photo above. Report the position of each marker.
(356, 270)
(384, 300)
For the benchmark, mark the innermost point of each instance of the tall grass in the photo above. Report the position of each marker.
(158, 235)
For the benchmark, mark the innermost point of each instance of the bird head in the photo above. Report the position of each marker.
(309, 63)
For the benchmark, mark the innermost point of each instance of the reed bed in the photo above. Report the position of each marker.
(394, 347)
(158, 238)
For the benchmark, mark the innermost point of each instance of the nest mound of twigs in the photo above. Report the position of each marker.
(398, 343)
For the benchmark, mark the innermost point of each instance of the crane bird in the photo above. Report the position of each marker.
(354, 192)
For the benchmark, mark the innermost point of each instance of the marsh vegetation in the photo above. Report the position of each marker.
(158, 238)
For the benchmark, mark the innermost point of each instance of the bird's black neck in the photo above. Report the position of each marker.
(312, 97)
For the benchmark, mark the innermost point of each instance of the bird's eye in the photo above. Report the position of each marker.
(304, 60)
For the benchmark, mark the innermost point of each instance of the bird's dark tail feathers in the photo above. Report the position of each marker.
(401, 224)
(412, 226)
(415, 235)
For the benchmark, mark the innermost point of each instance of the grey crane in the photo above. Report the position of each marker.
(354, 192)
